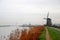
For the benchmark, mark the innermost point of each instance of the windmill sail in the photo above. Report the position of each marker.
(48, 15)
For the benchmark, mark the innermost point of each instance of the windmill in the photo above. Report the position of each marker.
(48, 20)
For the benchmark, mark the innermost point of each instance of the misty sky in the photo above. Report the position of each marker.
(29, 11)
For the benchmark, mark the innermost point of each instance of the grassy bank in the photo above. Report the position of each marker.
(55, 35)
(42, 36)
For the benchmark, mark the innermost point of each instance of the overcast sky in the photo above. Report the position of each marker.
(29, 11)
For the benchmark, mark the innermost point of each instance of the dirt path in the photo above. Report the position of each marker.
(47, 35)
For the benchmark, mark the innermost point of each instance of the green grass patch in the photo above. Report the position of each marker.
(55, 34)
(43, 35)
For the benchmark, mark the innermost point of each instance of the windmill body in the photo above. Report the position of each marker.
(48, 23)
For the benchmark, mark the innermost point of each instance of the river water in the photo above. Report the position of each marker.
(5, 31)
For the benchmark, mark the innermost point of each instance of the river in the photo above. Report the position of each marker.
(5, 31)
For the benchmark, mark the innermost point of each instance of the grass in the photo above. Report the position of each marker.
(55, 35)
(42, 36)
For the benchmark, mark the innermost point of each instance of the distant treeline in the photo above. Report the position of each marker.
(4, 25)
(56, 26)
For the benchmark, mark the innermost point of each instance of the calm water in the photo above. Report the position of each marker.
(5, 31)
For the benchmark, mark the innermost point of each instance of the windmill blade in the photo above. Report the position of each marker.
(48, 15)
(44, 18)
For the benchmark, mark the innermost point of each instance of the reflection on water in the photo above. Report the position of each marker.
(5, 31)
